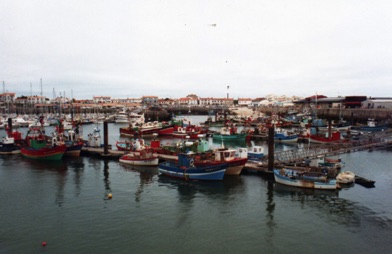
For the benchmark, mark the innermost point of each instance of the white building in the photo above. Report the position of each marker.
(377, 103)
(244, 102)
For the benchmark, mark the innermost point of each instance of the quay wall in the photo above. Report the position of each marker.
(360, 115)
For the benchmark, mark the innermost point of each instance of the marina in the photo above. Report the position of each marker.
(136, 208)
(195, 127)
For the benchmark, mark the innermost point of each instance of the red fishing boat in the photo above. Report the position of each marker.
(322, 138)
(190, 131)
(145, 129)
(142, 157)
(235, 164)
(38, 147)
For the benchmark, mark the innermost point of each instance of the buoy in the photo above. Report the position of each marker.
(43, 244)
(110, 195)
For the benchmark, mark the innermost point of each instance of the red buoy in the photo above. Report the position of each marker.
(43, 244)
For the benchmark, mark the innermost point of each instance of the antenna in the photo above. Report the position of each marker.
(41, 87)
(3, 87)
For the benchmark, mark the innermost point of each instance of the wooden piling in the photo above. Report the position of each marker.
(9, 132)
(105, 138)
(271, 147)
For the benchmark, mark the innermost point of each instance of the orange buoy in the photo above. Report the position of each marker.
(110, 195)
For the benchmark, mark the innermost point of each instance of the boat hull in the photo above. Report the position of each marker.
(46, 153)
(9, 149)
(234, 137)
(205, 173)
(140, 162)
(287, 139)
(303, 183)
(234, 167)
(73, 150)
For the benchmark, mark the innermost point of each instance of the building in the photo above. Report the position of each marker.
(7, 101)
(150, 100)
(330, 102)
(354, 101)
(102, 99)
(244, 102)
(216, 101)
(377, 103)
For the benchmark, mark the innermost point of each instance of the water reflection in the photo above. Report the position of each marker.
(106, 180)
(59, 166)
(333, 208)
(146, 175)
(76, 164)
(270, 208)
(215, 189)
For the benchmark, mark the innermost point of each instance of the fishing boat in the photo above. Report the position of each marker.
(124, 145)
(199, 147)
(229, 133)
(323, 138)
(94, 139)
(70, 138)
(145, 129)
(8, 146)
(12, 143)
(186, 170)
(255, 152)
(235, 163)
(302, 179)
(336, 127)
(372, 126)
(143, 157)
(39, 149)
(283, 136)
(345, 177)
(190, 131)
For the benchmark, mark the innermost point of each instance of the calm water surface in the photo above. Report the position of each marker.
(64, 204)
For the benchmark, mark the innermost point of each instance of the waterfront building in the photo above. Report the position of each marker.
(377, 103)
(102, 99)
(150, 100)
(244, 102)
(216, 101)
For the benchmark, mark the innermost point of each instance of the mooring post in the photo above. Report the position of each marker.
(9, 131)
(271, 148)
(105, 138)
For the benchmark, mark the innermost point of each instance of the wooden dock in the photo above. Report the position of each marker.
(100, 152)
(366, 142)
(370, 141)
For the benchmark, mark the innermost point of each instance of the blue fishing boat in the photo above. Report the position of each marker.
(185, 169)
(372, 126)
(302, 179)
(255, 152)
(283, 136)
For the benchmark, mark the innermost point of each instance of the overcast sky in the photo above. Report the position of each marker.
(124, 48)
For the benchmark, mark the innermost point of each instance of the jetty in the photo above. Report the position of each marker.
(368, 141)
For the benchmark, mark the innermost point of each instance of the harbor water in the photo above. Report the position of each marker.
(65, 204)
